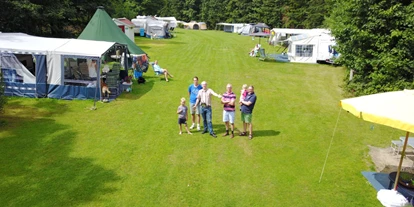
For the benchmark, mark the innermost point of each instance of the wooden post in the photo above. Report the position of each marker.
(401, 160)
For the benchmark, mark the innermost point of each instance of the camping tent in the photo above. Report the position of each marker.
(172, 22)
(202, 25)
(195, 25)
(140, 23)
(230, 27)
(101, 27)
(152, 26)
(260, 27)
(191, 25)
(156, 28)
(42, 67)
(307, 45)
(246, 29)
(126, 26)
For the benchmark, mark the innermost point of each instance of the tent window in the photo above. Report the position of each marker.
(304, 50)
(14, 71)
(81, 72)
(28, 62)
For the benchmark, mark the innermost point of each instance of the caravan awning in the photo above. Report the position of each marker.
(27, 44)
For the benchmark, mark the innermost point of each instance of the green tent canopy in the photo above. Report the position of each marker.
(101, 27)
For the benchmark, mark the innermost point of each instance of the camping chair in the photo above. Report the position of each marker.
(157, 73)
(84, 71)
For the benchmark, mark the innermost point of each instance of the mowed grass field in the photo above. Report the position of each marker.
(129, 153)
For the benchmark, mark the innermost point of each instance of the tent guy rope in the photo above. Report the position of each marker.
(329, 148)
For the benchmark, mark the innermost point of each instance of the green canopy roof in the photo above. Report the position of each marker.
(101, 27)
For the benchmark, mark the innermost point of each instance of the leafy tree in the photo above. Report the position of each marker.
(239, 11)
(268, 11)
(376, 39)
(191, 10)
(126, 8)
(173, 8)
(212, 12)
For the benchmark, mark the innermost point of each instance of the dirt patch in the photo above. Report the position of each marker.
(386, 161)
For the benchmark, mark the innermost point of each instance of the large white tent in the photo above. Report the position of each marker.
(306, 45)
(49, 54)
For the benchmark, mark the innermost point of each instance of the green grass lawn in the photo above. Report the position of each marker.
(128, 152)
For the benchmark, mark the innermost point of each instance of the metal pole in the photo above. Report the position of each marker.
(97, 85)
(401, 160)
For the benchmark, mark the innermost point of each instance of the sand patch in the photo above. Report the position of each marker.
(386, 161)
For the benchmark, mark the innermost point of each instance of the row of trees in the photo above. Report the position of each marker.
(276, 13)
(66, 18)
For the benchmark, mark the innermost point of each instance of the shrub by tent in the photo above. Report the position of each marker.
(101, 27)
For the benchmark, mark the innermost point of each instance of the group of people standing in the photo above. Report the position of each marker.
(200, 106)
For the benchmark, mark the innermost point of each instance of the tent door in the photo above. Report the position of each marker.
(122, 27)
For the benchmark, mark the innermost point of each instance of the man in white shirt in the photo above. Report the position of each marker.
(204, 99)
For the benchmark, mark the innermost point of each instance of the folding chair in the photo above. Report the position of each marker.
(396, 146)
(157, 73)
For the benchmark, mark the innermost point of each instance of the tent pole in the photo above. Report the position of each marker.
(401, 160)
(98, 84)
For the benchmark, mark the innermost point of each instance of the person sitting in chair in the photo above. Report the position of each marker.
(254, 51)
(160, 70)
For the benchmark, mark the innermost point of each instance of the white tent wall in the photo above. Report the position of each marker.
(54, 72)
(151, 25)
(139, 23)
(230, 27)
(237, 27)
(305, 45)
(172, 21)
(311, 50)
(246, 30)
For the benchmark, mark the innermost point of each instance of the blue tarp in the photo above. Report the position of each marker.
(70, 92)
(40, 76)
(20, 89)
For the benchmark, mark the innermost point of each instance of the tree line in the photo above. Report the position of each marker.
(66, 18)
(375, 37)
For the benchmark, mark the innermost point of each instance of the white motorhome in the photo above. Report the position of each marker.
(306, 45)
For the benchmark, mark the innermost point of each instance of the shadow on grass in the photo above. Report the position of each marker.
(175, 43)
(265, 133)
(138, 90)
(144, 47)
(220, 128)
(38, 169)
(42, 107)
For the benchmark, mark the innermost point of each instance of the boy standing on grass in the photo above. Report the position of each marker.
(182, 116)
